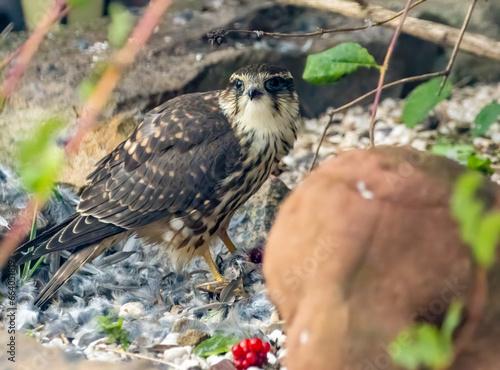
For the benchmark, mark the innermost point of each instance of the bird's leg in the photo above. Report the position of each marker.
(211, 264)
(226, 240)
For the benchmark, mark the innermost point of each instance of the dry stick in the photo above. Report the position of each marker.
(28, 49)
(475, 311)
(321, 31)
(457, 44)
(96, 102)
(368, 94)
(384, 68)
(427, 30)
(136, 355)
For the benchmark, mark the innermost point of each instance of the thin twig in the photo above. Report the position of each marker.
(367, 95)
(383, 70)
(24, 54)
(91, 109)
(426, 30)
(457, 44)
(320, 32)
(142, 357)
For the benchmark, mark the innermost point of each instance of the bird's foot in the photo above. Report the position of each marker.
(225, 289)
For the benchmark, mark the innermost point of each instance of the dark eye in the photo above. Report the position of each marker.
(238, 84)
(275, 83)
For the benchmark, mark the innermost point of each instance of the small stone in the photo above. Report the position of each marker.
(192, 337)
(174, 353)
(176, 309)
(224, 364)
(496, 138)
(133, 310)
(171, 339)
(278, 337)
(271, 359)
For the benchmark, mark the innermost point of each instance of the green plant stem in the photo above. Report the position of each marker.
(474, 312)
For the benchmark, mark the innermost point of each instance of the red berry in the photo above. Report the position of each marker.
(237, 351)
(237, 363)
(251, 358)
(245, 345)
(256, 345)
(245, 364)
(266, 347)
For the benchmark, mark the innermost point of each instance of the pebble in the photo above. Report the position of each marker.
(278, 337)
(192, 337)
(173, 353)
(132, 310)
(171, 339)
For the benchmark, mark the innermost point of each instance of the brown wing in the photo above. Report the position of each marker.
(173, 163)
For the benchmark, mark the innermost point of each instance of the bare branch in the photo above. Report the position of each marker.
(91, 109)
(367, 95)
(444, 35)
(218, 36)
(457, 44)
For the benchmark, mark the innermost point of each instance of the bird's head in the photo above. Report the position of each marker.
(262, 97)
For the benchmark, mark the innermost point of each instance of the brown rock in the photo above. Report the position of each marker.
(365, 246)
(192, 337)
(223, 365)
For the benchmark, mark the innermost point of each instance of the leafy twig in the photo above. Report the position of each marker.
(427, 76)
(384, 68)
(114, 71)
(367, 95)
(92, 108)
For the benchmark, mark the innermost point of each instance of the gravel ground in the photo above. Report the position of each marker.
(163, 311)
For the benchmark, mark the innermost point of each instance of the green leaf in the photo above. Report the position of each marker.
(451, 321)
(330, 65)
(77, 3)
(465, 207)
(488, 116)
(86, 88)
(88, 85)
(41, 159)
(114, 331)
(215, 345)
(421, 345)
(422, 99)
(121, 25)
(458, 152)
(487, 240)
(480, 164)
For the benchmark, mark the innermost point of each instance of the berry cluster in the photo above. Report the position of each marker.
(250, 352)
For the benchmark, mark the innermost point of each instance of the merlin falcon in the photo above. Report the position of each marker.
(181, 175)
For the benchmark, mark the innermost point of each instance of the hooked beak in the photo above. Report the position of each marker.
(254, 93)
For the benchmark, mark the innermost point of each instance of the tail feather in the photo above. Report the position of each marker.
(75, 233)
(73, 264)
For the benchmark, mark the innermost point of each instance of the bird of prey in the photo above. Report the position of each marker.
(181, 175)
